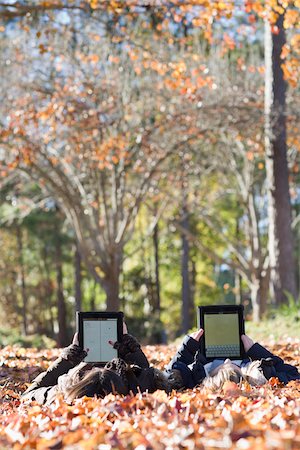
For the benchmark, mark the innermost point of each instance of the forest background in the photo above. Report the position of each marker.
(149, 159)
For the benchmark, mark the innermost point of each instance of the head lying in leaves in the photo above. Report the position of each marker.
(69, 376)
(117, 377)
(131, 373)
(189, 367)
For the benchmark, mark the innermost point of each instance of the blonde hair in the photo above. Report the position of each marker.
(216, 382)
(251, 373)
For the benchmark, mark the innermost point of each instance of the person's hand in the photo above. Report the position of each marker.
(76, 341)
(247, 342)
(125, 331)
(76, 338)
(197, 334)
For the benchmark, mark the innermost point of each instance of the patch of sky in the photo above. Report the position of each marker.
(295, 200)
(50, 204)
(238, 28)
(63, 18)
(224, 267)
(10, 28)
(263, 225)
(2, 154)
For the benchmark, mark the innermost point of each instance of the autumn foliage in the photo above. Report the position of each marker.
(239, 417)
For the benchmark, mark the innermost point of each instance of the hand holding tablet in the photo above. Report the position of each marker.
(247, 342)
(221, 334)
(223, 327)
(98, 331)
(197, 334)
(125, 331)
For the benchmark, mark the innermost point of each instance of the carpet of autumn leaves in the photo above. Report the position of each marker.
(239, 417)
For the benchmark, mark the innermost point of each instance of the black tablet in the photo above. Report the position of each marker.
(95, 330)
(223, 326)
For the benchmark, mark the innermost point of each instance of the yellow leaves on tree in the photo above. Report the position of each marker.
(291, 65)
(271, 9)
(291, 71)
(94, 4)
(111, 152)
(291, 18)
(254, 6)
(228, 42)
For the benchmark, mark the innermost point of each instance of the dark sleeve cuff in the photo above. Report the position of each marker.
(191, 344)
(129, 344)
(198, 373)
(73, 354)
(257, 351)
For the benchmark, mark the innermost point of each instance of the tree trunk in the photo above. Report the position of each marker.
(259, 294)
(78, 279)
(62, 339)
(264, 292)
(297, 245)
(279, 210)
(237, 275)
(48, 290)
(93, 298)
(238, 288)
(157, 282)
(193, 278)
(23, 283)
(111, 287)
(255, 300)
(185, 276)
(111, 284)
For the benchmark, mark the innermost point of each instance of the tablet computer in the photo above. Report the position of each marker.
(223, 326)
(95, 330)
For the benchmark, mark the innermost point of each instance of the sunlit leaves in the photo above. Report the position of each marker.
(238, 416)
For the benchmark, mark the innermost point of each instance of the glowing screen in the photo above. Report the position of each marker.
(222, 336)
(96, 334)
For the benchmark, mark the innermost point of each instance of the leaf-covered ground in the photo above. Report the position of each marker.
(238, 417)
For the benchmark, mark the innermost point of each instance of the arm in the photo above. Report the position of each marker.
(40, 388)
(272, 365)
(130, 350)
(186, 352)
(185, 356)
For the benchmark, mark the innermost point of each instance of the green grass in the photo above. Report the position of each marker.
(279, 324)
(278, 329)
(13, 337)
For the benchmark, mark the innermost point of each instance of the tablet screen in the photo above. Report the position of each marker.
(96, 334)
(222, 337)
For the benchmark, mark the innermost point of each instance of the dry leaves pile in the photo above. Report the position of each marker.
(239, 417)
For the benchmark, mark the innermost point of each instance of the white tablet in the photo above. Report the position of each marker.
(95, 330)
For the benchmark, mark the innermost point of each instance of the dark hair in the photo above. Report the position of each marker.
(97, 382)
(175, 380)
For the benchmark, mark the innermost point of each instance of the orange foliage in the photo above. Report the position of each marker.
(240, 416)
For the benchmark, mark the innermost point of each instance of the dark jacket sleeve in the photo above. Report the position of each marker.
(198, 371)
(186, 352)
(189, 354)
(42, 385)
(274, 366)
(130, 350)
